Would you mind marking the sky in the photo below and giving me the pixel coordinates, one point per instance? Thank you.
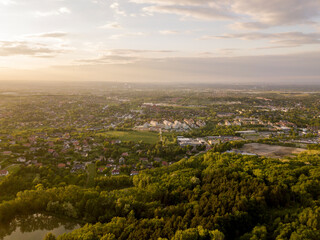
(218, 41)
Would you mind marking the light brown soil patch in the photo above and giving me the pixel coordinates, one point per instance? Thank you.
(272, 151)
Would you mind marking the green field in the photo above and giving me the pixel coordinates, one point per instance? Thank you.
(134, 136)
(12, 169)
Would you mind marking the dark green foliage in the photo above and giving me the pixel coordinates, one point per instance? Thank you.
(314, 146)
(115, 182)
(211, 196)
(50, 236)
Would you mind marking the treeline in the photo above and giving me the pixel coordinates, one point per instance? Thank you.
(114, 182)
(314, 147)
(222, 147)
(27, 178)
(276, 142)
(212, 129)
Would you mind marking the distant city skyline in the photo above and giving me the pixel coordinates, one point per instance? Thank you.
(236, 41)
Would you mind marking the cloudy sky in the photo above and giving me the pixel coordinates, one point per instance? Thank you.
(161, 40)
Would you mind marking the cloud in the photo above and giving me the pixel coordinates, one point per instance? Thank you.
(249, 25)
(7, 2)
(286, 39)
(127, 56)
(300, 68)
(60, 11)
(128, 34)
(198, 12)
(175, 2)
(250, 14)
(276, 12)
(135, 51)
(110, 59)
(64, 10)
(112, 25)
(116, 8)
(14, 48)
(294, 69)
(168, 32)
(49, 35)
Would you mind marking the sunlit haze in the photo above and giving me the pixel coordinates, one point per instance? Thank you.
(214, 41)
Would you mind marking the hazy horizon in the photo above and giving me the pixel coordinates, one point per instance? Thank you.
(185, 41)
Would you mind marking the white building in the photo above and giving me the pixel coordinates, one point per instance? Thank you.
(21, 159)
(4, 173)
(154, 123)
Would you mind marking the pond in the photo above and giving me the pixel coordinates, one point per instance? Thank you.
(35, 227)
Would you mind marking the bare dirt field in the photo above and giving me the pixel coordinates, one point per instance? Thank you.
(272, 151)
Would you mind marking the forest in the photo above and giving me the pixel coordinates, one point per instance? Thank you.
(210, 196)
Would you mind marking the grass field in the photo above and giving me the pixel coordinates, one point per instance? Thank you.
(134, 136)
(12, 169)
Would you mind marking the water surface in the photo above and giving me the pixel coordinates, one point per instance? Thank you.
(35, 227)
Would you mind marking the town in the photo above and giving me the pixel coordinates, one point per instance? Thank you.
(114, 134)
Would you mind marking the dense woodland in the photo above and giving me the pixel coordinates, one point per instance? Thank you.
(210, 196)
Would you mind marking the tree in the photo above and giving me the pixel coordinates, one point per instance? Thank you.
(50, 236)
(108, 236)
(216, 235)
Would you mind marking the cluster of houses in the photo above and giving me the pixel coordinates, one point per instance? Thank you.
(222, 139)
(78, 167)
(183, 141)
(165, 125)
(283, 126)
(206, 141)
(56, 144)
(240, 121)
(115, 172)
(168, 105)
(270, 108)
(115, 168)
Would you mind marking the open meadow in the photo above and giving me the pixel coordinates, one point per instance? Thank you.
(134, 136)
